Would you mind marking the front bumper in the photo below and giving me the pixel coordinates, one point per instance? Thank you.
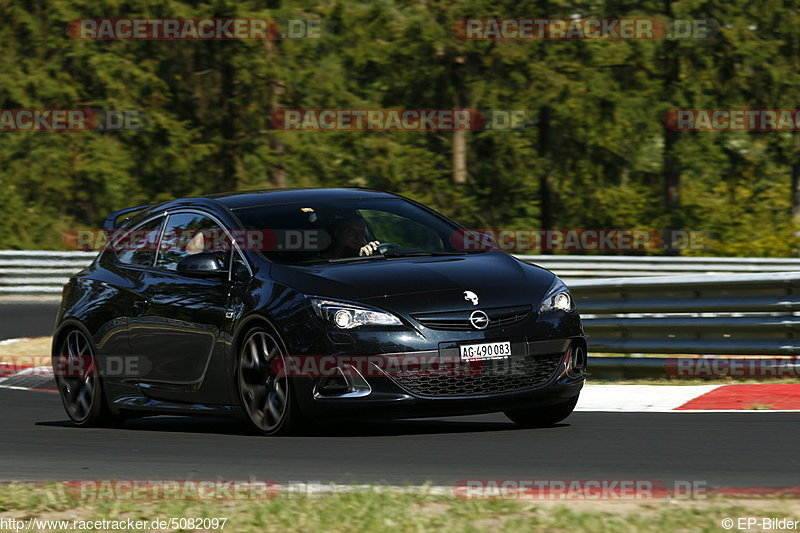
(392, 395)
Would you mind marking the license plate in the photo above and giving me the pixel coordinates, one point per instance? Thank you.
(485, 351)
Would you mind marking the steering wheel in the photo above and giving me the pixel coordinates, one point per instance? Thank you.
(387, 247)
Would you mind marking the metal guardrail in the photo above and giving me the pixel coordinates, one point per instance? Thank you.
(39, 272)
(723, 314)
(745, 314)
(45, 272)
(571, 267)
(688, 367)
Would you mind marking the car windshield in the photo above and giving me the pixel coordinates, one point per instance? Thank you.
(350, 230)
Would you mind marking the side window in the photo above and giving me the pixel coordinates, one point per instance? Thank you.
(137, 246)
(191, 233)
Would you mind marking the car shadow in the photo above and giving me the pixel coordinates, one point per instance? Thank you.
(338, 428)
(388, 428)
(168, 424)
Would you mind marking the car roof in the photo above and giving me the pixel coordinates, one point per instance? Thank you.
(245, 199)
(235, 200)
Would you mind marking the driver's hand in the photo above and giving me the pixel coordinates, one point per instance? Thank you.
(369, 248)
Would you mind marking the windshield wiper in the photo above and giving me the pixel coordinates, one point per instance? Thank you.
(393, 255)
(359, 258)
(422, 254)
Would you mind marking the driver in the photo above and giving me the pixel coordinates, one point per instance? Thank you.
(196, 245)
(350, 239)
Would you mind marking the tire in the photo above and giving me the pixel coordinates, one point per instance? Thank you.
(266, 394)
(544, 416)
(79, 383)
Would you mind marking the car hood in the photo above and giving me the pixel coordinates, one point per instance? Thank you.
(423, 282)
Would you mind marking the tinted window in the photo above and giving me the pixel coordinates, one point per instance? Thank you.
(137, 246)
(336, 229)
(389, 227)
(191, 233)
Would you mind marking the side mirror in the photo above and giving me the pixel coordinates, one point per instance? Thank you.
(205, 264)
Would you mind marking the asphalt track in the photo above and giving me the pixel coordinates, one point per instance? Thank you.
(721, 449)
(725, 449)
(34, 318)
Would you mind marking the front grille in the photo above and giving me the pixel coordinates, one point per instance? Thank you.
(491, 377)
(459, 320)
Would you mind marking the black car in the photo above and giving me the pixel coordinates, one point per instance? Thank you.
(288, 306)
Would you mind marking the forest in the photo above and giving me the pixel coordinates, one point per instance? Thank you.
(596, 147)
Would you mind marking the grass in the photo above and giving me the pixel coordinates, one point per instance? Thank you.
(760, 407)
(38, 347)
(370, 510)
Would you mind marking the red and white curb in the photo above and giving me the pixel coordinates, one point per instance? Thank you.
(13, 341)
(37, 378)
(690, 398)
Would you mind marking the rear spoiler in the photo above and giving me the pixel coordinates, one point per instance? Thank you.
(110, 221)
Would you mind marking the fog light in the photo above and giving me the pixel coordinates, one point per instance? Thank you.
(336, 384)
(578, 358)
(345, 382)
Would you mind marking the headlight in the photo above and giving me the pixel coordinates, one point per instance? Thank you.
(557, 298)
(348, 316)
